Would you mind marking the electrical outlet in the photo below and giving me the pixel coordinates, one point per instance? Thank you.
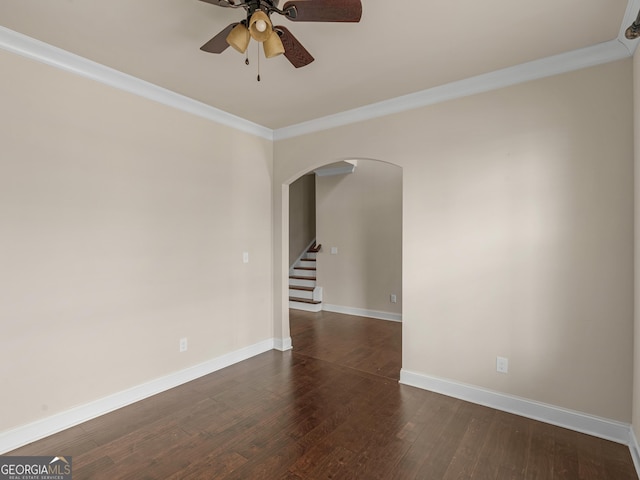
(334, 250)
(394, 298)
(502, 365)
(183, 344)
(245, 257)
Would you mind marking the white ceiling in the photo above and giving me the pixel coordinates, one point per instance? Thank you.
(398, 48)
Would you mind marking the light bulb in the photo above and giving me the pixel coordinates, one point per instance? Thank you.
(261, 25)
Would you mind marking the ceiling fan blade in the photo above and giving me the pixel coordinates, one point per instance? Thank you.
(220, 3)
(323, 10)
(293, 49)
(218, 44)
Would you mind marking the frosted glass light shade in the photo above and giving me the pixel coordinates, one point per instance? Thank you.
(239, 38)
(260, 26)
(273, 45)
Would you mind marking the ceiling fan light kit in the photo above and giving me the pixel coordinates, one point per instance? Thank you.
(239, 38)
(273, 45)
(276, 39)
(260, 26)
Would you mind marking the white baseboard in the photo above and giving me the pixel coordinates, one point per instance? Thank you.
(599, 427)
(635, 450)
(25, 434)
(361, 312)
(305, 307)
(282, 344)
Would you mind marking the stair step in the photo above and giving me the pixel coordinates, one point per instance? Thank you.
(305, 282)
(302, 277)
(302, 281)
(304, 300)
(303, 272)
(301, 294)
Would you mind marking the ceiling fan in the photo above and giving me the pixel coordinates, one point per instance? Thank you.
(277, 39)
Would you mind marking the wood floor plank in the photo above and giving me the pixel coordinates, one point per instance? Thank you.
(516, 456)
(542, 445)
(290, 476)
(467, 455)
(378, 349)
(494, 450)
(331, 408)
(314, 457)
(74, 440)
(269, 463)
(617, 462)
(378, 458)
(565, 457)
(218, 467)
(93, 468)
(334, 464)
(442, 453)
(424, 450)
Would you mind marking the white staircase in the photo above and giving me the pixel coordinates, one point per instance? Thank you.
(304, 293)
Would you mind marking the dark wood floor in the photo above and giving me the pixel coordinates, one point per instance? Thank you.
(332, 408)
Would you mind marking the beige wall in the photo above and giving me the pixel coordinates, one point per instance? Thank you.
(361, 215)
(122, 228)
(123, 222)
(302, 215)
(636, 336)
(517, 234)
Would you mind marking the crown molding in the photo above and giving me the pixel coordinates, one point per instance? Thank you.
(56, 57)
(545, 67)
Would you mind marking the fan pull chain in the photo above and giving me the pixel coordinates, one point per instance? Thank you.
(258, 62)
(246, 58)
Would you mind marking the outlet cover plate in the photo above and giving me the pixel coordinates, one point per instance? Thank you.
(502, 365)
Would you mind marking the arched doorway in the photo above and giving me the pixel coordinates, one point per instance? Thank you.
(359, 224)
